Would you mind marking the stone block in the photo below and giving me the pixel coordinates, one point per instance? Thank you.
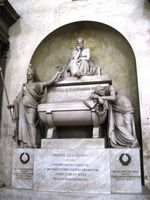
(22, 171)
(72, 143)
(125, 171)
(74, 88)
(72, 170)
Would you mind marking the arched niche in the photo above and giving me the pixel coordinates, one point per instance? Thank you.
(110, 50)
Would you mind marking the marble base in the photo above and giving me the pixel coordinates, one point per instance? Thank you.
(21, 194)
(77, 165)
(22, 171)
(125, 171)
(72, 170)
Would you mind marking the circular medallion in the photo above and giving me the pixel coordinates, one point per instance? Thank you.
(24, 158)
(125, 159)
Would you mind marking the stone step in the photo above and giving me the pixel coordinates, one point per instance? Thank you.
(22, 194)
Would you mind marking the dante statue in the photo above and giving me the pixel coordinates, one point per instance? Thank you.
(25, 109)
(80, 63)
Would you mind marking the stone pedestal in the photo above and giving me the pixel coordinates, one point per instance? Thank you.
(77, 165)
(22, 194)
(22, 171)
(72, 170)
(72, 143)
(125, 171)
(72, 165)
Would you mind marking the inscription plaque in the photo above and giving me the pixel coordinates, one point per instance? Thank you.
(74, 88)
(64, 93)
(125, 171)
(22, 172)
(72, 170)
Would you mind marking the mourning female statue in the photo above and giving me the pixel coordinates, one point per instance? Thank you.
(80, 63)
(100, 98)
(121, 130)
(121, 125)
(25, 109)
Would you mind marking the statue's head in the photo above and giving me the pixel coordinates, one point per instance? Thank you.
(30, 73)
(100, 90)
(80, 42)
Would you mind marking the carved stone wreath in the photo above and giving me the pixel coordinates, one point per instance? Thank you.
(24, 158)
(125, 159)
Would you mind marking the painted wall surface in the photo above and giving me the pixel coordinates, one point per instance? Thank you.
(39, 18)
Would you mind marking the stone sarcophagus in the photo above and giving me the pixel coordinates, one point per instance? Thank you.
(74, 113)
(68, 104)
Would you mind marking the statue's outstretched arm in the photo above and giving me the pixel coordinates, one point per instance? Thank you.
(55, 77)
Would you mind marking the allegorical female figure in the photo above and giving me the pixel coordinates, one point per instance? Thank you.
(121, 130)
(25, 110)
(80, 63)
(121, 125)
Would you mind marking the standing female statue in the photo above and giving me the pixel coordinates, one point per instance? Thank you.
(25, 109)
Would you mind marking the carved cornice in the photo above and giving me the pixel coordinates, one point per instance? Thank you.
(7, 13)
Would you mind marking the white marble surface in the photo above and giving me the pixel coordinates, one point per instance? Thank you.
(22, 173)
(20, 194)
(73, 88)
(72, 170)
(125, 171)
(38, 19)
(72, 143)
(65, 93)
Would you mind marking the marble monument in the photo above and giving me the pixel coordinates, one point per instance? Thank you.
(79, 99)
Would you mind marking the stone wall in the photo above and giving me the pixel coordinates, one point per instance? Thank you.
(39, 18)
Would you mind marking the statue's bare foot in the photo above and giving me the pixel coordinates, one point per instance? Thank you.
(34, 146)
(79, 74)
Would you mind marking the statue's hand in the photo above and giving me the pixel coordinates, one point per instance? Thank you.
(78, 48)
(94, 96)
(101, 101)
(61, 70)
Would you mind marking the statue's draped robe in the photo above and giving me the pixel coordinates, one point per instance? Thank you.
(25, 111)
(121, 129)
(84, 66)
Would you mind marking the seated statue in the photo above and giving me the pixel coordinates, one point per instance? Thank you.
(80, 63)
(25, 110)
